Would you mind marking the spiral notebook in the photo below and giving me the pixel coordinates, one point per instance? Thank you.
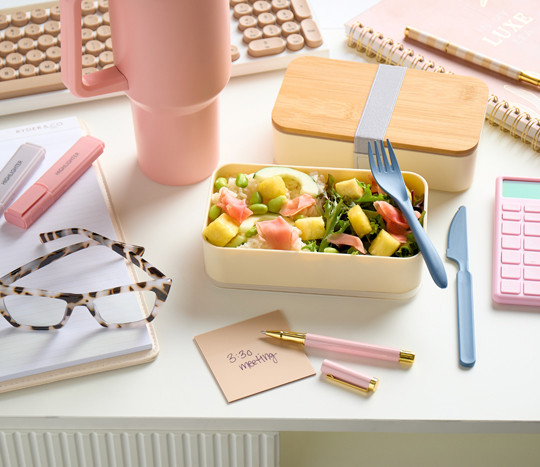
(506, 31)
(82, 346)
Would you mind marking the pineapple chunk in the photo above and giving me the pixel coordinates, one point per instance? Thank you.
(311, 228)
(359, 221)
(221, 231)
(349, 189)
(271, 188)
(384, 244)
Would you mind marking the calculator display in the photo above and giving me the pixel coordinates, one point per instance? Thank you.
(520, 189)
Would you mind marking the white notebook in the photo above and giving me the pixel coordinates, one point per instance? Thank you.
(82, 346)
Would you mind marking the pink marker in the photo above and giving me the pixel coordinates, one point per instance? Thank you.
(343, 375)
(53, 183)
(343, 346)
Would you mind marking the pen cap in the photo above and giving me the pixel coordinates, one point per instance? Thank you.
(18, 170)
(29, 206)
(348, 376)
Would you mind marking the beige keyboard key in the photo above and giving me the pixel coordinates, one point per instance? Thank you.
(103, 33)
(89, 61)
(235, 53)
(4, 22)
(6, 48)
(289, 28)
(33, 31)
(87, 71)
(35, 57)
(279, 5)
(295, 42)
(266, 19)
(91, 22)
(271, 31)
(106, 59)
(108, 44)
(283, 16)
(311, 33)
(242, 9)
(86, 35)
(13, 34)
(45, 41)
(261, 6)
(27, 70)
(88, 7)
(55, 12)
(7, 74)
(106, 18)
(94, 47)
(265, 47)
(25, 45)
(53, 54)
(251, 34)
(247, 22)
(15, 60)
(47, 67)
(103, 6)
(19, 18)
(52, 27)
(39, 15)
(300, 9)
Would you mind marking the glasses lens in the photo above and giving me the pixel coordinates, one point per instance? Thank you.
(124, 308)
(35, 311)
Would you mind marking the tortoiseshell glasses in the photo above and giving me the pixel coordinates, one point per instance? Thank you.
(123, 306)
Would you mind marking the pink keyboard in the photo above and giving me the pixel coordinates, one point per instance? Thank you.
(516, 244)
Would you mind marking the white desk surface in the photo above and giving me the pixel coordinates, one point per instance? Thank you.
(178, 391)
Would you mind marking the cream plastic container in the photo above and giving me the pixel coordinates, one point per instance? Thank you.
(313, 272)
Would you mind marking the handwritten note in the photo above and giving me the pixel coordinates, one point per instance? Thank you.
(245, 362)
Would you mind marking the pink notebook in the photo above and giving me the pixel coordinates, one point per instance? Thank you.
(504, 30)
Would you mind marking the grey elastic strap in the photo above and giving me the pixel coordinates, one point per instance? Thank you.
(379, 107)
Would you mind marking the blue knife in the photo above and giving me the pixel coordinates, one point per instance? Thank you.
(458, 251)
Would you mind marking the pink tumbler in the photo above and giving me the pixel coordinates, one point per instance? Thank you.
(172, 59)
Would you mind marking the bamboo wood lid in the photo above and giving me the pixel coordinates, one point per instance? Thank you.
(434, 112)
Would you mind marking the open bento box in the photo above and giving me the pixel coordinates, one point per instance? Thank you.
(308, 271)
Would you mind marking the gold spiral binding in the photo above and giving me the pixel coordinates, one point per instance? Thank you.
(379, 56)
(350, 37)
(393, 50)
(428, 66)
(417, 59)
(515, 124)
(528, 126)
(534, 142)
(369, 46)
(360, 41)
(495, 109)
(440, 69)
(406, 53)
(507, 113)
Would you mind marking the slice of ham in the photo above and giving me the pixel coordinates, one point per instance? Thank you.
(233, 206)
(396, 225)
(346, 239)
(277, 233)
(294, 206)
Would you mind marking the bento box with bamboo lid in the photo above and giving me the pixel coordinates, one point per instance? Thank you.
(328, 109)
(305, 244)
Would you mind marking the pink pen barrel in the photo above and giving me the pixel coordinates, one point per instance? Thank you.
(359, 349)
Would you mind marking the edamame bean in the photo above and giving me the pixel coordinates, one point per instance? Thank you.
(258, 208)
(214, 212)
(256, 198)
(242, 181)
(251, 232)
(329, 249)
(220, 183)
(275, 204)
(236, 241)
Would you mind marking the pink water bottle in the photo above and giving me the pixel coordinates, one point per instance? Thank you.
(172, 59)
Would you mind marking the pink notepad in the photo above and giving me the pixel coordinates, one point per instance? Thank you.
(245, 362)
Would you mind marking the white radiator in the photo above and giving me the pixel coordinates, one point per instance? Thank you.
(44, 448)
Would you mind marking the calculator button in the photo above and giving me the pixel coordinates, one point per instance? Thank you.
(532, 217)
(531, 243)
(511, 216)
(511, 287)
(511, 207)
(531, 288)
(511, 228)
(531, 259)
(532, 230)
(511, 272)
(532, 208)
(512, 243)
(510, 257)
(531, 273)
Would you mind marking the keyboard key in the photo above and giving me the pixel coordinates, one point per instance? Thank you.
(532, 207)
(511, 287)
(511, 243)
(532, 230)
(531, 288)
(531, 259)
(263, 47)
(507, 206)
(531, 273)
(300, 9)
(510, 272)
(511, 228)
(531, 244)
(511, 257)
(295, 42)
(511, 216)
(531, 217)
(39, 15)
(311, 33)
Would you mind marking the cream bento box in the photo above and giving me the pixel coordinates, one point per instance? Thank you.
(308, 271)
(327, 108)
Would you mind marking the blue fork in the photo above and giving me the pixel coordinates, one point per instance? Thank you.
(388, 176)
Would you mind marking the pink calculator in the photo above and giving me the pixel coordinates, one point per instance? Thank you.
(516, 242)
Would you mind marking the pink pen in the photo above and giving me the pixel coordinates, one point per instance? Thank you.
(53, 183)
(331, 344)
(343, 375)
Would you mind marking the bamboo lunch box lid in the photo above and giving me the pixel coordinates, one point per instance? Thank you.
(434, 112)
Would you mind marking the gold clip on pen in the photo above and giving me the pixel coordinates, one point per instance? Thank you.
(350, 378)
(343, 346)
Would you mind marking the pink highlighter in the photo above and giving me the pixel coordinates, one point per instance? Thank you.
(53, 183)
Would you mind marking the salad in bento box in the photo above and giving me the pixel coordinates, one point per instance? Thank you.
(283, 208)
